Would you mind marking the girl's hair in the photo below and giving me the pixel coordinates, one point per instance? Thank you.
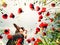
(22, 28)
(18, 28)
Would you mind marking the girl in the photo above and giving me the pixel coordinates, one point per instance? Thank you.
(18, 38)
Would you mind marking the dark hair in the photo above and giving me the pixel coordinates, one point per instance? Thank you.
(19, 29)
(22, 28)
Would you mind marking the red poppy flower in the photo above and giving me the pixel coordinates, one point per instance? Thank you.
(43, 9)
(37, 29)
(9, 36)
(53, 4)
(12, 15)
(44, 33)
(28, 40)
(43, 25)
(53, 28)
(20, 10)
(40, 17)
(35, 43)
(18, 44)
(19, 40)
(51, 19)
(39, 13)
(48, 14)
(1, 37)
(36, 32)
(4, 16)
(31, 6)
(39, 20)
(37, 8)
(6, 31)
(38, 40)
(33, 39)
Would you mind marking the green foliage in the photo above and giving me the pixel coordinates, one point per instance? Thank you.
(51, 38)
(1, 31)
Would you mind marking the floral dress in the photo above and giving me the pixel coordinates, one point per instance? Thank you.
(16, 40)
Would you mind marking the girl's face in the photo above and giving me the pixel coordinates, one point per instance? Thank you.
(21, 31)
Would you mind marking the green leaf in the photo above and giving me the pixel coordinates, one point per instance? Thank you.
(58, 14)
(1, 31)
(58, 25)
(52, 43)
(40, 43)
